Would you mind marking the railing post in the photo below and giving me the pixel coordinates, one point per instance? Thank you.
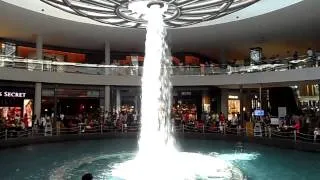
(203, 129)
(224, 130)
(269, 129)
(315, 138)
(6, 134)
(79, 128)
(182, 128)
(266, 133)
(295, 135)
(101, 128)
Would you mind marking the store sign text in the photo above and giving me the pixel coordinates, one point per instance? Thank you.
(12, 94)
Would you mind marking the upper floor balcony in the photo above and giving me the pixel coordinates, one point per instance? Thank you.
(18, 69)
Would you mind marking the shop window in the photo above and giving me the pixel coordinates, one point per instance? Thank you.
(8, 49)
(51, 55)
(233, 107)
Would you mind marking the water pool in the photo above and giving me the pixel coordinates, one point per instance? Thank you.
(70, 160)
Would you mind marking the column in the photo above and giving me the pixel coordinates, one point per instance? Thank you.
(319, 93)
(39, 54)
(106, 98)
(241, 105)
(55, 107)
(260, 95)
(224, 102)
(107, 60)
(118, 100)
(37, 99)
(223, 59)
(39, 47)
(136, 103)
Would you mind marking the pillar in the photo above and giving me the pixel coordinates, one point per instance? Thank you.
(55, 107)
(260, 95)
(224, 102)
(241, 104)
(39, 47)
(319, 93)
(107, 53)
(106, 98)
(107, 60)
(222, 55)
(136, 103)
(118, 100)
(37, 99)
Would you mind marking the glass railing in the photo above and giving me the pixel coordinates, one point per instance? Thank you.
(113, 70)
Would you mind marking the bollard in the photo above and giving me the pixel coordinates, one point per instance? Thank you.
(79, 128)
(224, 130)
(6, 134)
(122, 127)
(182, 128)
(203, 129)
(101, 129)
(295, 135)
(315, 138)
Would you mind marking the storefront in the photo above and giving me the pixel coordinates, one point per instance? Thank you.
(16, 105)
(196, 100)
(126, 99)
(7, 49)
(72, 100)
(184, 99)
(233, 105)
(52, 55)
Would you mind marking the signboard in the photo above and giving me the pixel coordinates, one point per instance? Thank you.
(282, 112)
(255, 55)
(259, 112)
(274, 121)
(12, 94)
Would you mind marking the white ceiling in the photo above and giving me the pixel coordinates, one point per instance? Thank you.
(296, 24)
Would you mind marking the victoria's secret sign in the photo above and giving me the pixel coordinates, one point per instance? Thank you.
(12, 94)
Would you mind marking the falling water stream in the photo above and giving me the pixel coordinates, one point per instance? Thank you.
(157, 157)
(156, 131)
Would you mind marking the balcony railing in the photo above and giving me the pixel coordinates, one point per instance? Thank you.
(113, 70)
(267, 132)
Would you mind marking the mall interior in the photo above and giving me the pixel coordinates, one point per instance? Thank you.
(159, 89)
(52, 65)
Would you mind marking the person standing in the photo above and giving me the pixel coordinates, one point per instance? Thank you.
(58, 123)
(222, 121)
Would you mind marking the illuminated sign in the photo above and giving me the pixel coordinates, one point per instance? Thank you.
(12, 94)
(233, 97)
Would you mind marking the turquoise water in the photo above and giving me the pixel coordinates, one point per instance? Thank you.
(70, 160)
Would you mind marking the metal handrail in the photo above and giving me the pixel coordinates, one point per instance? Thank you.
(102, 128)
(101, 69)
